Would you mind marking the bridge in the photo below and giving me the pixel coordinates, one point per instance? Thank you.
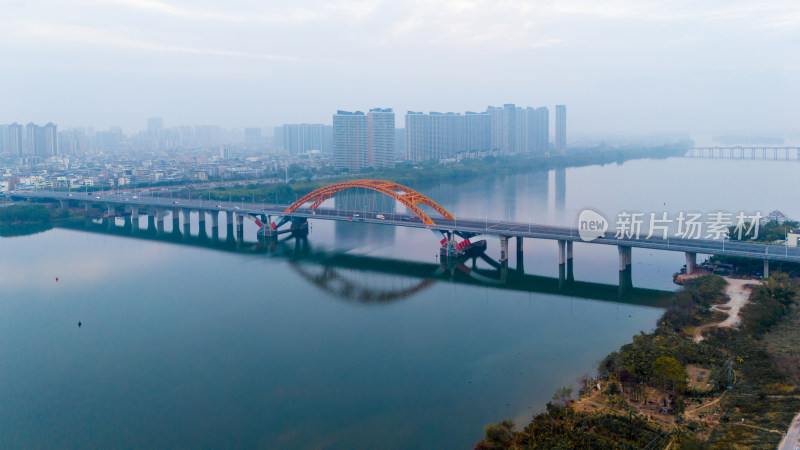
(332, 272)
(740, 152)
(457, 237)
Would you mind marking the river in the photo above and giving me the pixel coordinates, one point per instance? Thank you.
(213, 346)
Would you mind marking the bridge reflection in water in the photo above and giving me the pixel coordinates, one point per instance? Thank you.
(325, 269)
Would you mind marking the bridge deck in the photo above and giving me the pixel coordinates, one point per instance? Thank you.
(469, 225)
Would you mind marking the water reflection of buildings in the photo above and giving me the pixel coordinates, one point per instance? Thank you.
(560, 193)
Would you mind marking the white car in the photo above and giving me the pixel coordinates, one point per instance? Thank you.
(380, 216)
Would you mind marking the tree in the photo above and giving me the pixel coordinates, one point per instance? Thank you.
(612, 389)
(562, 395)
(679, 406)
(669, 372)
(781, 288)
(498, 436)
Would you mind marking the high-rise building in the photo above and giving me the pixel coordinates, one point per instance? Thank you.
(440, 136)
(303, 137)
(478, 132)
(496, 115)
(540, 130)
(561, 129)
(350, 140)
(13, 139)
(361, 141)
(418, 136)
(509, 138)
(380, 137)
(400, 143)
(31, 139)
(49, 140)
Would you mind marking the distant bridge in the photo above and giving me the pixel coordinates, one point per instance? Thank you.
(456, 235)
(752, 152)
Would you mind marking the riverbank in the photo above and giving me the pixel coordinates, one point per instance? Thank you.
(426, 174)
(737, 387)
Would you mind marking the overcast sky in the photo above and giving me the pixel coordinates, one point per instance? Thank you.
(620, 66)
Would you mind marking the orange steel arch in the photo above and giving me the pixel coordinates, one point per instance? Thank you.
(408, 197)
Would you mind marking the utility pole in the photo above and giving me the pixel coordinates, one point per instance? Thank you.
(730, 375)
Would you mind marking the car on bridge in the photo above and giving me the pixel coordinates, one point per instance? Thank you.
(380, 216)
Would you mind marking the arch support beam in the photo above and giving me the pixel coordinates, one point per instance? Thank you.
(408, 197)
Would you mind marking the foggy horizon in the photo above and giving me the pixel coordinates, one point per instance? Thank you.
(725, 68)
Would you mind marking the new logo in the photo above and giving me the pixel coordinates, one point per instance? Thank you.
(591, 225)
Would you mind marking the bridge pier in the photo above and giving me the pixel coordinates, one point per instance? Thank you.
(520, 258)
(176, 221)
(112, 211)
(691, 262)
(160, 213)
(503, 248)
(624, 257)
(570, 275)
(134, 218)
(239, 227)
(625, 272)
(63, 204)
(201, 220)
(766, 268)
(229, 226)
(187, 222)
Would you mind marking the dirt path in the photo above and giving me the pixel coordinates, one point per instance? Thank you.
(738, 292)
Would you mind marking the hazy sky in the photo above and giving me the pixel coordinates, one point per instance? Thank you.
(619, 66)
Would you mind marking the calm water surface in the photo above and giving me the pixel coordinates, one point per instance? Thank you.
(183, 345)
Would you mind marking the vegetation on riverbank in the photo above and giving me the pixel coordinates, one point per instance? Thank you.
(19, 220)
(421, 175)
(738, 388)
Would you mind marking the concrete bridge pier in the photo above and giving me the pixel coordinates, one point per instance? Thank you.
(151, 223)
(112, 211)
(187, 222)
(624, 257)
(299, 227)
(229, 226)
(503, 249)
(239, 227)
(625, 272)
(63, 204)
(201, 220)
(214, 220)
(160, 213)
(562, 266)
(570, 275)
(766, 268)
(691, 261)
(176, 221)
(520, 258)
(127, 223)
(134, 218)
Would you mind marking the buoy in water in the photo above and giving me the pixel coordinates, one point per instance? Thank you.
(56, 278)
(79, 324)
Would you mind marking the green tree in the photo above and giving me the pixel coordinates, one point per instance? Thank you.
(669, 372)
(780, 287)
(498, 435)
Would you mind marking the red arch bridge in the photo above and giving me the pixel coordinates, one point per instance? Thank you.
(457, 237)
